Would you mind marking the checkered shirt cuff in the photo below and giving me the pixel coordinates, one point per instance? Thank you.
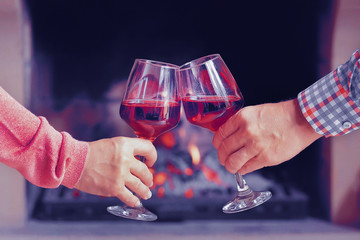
(331, 105)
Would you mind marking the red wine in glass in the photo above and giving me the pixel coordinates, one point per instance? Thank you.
(210, 96)
(151, 106)
(150, 118)
(211, 111)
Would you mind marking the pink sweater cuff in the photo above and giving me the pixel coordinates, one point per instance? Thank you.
(75, 164)
(29, 144)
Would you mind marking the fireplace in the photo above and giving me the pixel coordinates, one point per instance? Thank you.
(189, 182)
(78, 74)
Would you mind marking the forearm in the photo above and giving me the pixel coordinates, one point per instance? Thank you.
(44, 156)
(331, 105)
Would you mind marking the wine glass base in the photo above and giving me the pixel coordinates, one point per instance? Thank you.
(134, 213)
(243, 202)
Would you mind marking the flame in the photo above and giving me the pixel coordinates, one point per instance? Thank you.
(195, 153)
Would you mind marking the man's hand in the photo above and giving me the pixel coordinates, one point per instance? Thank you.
(263, 135)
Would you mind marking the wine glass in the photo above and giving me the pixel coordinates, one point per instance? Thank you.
(151, 106)
(210, 96)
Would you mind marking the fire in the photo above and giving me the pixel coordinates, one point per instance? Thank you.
(195, 153)
(211, 175)
(189, 193)
(171, 168)
(181, 168)
(188, 171)
(160, 178)
(167, 140)
(161, 192)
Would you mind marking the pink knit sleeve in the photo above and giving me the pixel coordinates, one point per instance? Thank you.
(29, 144)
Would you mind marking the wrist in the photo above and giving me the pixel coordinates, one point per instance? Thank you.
(303, 127)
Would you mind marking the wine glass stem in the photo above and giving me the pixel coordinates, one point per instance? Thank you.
(240, 182)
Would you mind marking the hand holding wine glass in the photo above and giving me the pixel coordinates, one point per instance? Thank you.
(263, 135)
(210, 96)
(151, 106)
(110, 169)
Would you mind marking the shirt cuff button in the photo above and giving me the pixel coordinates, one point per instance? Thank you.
(346, 125)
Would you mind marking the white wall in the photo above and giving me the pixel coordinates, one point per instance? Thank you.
(12, 184)
(345, 150)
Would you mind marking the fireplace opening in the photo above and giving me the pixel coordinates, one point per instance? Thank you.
(189, 182)
(83, 53)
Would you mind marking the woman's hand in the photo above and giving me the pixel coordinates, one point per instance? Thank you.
(263, 135)
(111, 169)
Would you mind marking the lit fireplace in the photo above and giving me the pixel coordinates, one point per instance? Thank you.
(70, 66)
(189, 182)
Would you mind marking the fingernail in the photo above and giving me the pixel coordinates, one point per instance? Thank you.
(138, 203)
(149, 195)
(152, 183)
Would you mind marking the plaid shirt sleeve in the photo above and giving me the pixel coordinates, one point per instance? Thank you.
(332, 104)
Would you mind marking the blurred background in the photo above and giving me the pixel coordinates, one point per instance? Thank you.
(78, 55)
(271, 48)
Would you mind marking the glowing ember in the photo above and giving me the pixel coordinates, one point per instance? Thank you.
(189, 193)
(161, 192)
(173, 169)
(195, 153)
(188, 171)
(211, 175)
(167, 140)
(160, 178)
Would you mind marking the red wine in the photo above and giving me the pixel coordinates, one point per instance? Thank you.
(211, 111)
(150, 118)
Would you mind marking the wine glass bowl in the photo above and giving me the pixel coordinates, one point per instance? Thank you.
(210, 96)
(150, 118)
(209, 92)
(151, 106)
